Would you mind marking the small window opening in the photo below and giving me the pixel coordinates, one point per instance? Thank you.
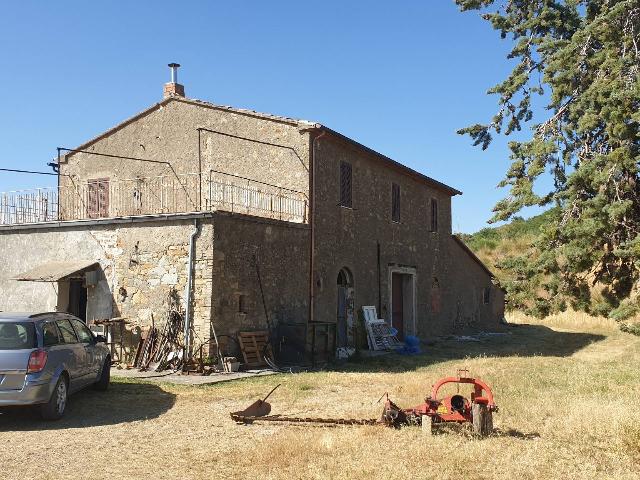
(395, 202)
(486, 295)
(434, 215)
(346, 199)
(242, 304)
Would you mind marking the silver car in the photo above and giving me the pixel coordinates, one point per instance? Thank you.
(44, 357)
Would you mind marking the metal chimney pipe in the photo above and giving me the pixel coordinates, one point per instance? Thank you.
(174, 72)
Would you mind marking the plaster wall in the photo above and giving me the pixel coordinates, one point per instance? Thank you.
(141, 262)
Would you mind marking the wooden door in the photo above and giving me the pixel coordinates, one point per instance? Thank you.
(397, 304)
(98, 198)
(342, 317)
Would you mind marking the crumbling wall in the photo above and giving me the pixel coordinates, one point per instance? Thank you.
(141, 262)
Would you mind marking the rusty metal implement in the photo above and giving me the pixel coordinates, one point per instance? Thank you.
(476, 410)
(260, 409)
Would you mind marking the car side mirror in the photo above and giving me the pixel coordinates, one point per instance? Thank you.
(100, 339)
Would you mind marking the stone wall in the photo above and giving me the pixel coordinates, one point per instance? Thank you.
(281, 253)
(140, 263)
(267, 150)
(472, 311)
(352, 237)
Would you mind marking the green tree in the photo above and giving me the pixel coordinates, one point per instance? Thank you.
(583, 58)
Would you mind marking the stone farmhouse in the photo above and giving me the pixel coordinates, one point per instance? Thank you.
(253, 220)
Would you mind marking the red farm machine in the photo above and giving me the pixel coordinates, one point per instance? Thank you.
(477, 409)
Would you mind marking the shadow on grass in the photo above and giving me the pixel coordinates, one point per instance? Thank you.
(520, 340)
(513, 433)
(122, 403)
(465, 430)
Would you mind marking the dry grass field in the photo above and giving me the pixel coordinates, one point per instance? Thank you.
(568, 392)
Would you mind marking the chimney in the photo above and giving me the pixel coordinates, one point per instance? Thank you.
(173, 88)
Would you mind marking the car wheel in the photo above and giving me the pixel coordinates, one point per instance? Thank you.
(105, 376)
(55, 407)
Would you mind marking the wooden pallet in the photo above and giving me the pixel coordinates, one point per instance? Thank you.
(255, 346)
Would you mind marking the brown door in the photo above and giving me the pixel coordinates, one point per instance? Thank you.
(98, 198)
(342, 317)
(397, 303)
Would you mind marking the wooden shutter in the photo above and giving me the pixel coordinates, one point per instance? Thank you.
(345, 185)
(434, 215)
(98, 198)
(395, 202)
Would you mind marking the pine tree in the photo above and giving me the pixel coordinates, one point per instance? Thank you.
(583, 58)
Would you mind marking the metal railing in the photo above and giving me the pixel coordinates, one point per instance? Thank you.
(243, 195)
(105, 198)
(129, 197)
(29, 206)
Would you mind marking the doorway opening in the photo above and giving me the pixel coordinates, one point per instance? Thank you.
(402, 295)
(344, 315)
(78, 298)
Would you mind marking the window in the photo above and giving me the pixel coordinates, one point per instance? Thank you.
(395, 202)
(50, 334)
(68, 335)
(434, 215)
(345, 185)
(98, 198)
(17, 335)
(435, 296)
(242, 304)
(486, 295)
(84, 335)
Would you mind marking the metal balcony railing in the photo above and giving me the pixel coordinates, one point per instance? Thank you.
(104, 198)
(243, 195)
(29, 206)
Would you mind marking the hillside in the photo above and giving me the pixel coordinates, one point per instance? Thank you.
(493, 245)
(503, 248)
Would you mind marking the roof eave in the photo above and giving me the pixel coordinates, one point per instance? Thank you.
(473, 256)
(414, 173)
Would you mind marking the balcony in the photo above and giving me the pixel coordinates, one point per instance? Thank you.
(187, 193)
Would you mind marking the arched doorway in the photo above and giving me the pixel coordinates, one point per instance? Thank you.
(344, 315)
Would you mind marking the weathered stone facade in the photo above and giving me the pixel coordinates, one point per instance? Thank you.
(352, 238)
(259, 147)
(248, 269)
(142, 261)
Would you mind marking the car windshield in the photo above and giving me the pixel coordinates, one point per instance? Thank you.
(17, 335)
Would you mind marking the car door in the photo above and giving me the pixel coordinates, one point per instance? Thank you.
(93, 357)
(57, 352)
(74, 354)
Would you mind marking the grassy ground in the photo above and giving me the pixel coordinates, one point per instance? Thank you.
(567, 390)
